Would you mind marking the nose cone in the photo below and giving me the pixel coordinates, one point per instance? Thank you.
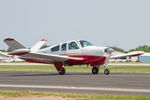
(109, 50)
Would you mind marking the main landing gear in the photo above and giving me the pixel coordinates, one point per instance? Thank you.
(60, 68)
(95, 70)
(62, 71)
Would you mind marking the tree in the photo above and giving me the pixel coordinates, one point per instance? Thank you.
(3, 50)
(144, 48)
(9, 50)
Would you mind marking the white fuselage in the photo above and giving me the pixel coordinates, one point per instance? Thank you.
(89, 50)
(93, 54)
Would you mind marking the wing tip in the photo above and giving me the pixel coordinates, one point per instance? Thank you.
(8, 39)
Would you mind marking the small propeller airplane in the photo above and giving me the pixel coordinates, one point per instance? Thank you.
(75, 52)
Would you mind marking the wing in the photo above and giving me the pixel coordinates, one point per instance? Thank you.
(49, 58)
(135, 53)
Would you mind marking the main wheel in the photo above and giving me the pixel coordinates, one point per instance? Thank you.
(106, 71)
(95, 70)
(62, 71)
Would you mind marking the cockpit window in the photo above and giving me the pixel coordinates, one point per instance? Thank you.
(85, 43)
(73, 45)
(63, 47)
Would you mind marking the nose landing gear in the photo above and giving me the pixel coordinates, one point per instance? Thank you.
(106, 71)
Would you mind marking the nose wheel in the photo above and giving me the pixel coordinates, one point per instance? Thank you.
(106, 72)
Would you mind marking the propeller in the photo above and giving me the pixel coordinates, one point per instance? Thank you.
(109, 50)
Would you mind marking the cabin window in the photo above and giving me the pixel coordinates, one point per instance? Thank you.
(56, 48)
(85, 43)
(73, 45)
(63, 47)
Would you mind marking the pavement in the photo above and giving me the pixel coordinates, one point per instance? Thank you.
(77, 82)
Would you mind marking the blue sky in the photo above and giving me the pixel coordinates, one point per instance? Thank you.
(121, 23)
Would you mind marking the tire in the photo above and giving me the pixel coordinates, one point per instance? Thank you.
(95, 70)
(62, 71)
(106, 72)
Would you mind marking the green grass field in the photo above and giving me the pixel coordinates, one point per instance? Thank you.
(6, 94)
(130, 69)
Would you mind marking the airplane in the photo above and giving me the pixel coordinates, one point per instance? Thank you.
(75, 52)
(4, 56)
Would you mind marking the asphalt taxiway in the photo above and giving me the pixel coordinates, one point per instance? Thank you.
(77, 82)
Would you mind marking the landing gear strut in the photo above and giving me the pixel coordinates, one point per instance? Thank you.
(62, 71)
(95, 70)
(106, 71)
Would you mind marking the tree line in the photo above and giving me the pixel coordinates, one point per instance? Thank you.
(144, 48)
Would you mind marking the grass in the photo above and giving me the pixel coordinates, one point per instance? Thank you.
(75, 96)
(132, 69)
(130, 63)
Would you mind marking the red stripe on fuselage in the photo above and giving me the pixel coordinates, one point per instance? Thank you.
(88, 59)
(35, 61)
(18, 53)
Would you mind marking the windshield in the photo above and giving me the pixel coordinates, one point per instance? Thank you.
(85, 43)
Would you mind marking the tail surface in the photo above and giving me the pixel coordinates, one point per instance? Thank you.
(13, 44)
(38, 45)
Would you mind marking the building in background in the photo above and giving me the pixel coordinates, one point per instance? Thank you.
(144, 58)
